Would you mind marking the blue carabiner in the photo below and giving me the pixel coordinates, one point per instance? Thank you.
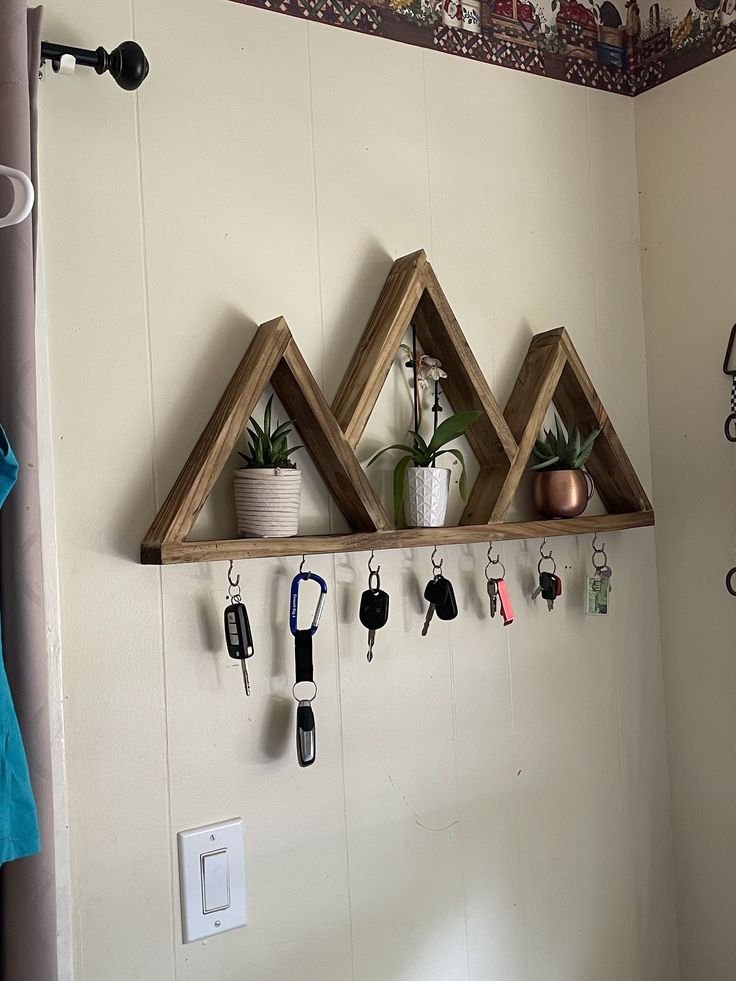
(299, 578)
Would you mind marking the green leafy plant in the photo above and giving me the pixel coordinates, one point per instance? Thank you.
(423, 454)
(267, 449)
(558, 451)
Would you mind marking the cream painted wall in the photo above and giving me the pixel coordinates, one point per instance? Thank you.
(486, 804)
(686, 139)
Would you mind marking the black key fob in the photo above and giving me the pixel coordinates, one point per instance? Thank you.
(306, 735)
(237, 632)
(447, 609)
(374, 609)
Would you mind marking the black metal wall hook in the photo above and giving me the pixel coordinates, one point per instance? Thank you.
(127, 63)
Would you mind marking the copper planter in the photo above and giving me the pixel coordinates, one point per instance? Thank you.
(562, 493)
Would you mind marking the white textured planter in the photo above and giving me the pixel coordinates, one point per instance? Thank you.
(267, 502)
(425, 496)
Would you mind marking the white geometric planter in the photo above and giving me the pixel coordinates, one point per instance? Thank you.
(425, 496)
(267, 502)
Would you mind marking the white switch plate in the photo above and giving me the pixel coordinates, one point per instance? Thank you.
(212, 876)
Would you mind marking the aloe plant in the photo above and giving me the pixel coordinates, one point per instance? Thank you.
(558, 451)
(423, 454)
(267, 449)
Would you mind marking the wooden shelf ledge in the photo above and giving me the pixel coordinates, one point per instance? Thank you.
(171, 553)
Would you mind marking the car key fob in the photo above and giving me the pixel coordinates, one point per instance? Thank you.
(447, 609)
(238, 637)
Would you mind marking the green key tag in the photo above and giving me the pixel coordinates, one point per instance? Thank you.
(596, 595)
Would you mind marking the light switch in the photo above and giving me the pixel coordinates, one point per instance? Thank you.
(215, 881)
(212, 880)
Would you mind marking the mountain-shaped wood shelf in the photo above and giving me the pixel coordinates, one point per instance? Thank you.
(552, 372)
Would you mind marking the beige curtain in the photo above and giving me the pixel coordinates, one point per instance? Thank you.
(27, 888)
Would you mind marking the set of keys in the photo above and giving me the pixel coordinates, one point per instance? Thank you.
(598, 586)
(373, 607)
(498, 593)
(550, 587)
(440, 595)
(238, 636)
(550, 584)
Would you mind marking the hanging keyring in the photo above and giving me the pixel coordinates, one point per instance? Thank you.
(729, 426)
(599, 550)
(730, 576)
(549, 558)
(496, 561)
(436, 566)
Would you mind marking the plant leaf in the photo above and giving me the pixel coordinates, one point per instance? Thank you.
(588, 444)
(399, 481)
(545, 463)
(267, 417)
(551, 440)
(394, 446)
(283, 429)
(561, 437)
(463, 482)
(450, 429)
(573, 443)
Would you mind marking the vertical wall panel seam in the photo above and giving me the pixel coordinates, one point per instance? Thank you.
(155, 488)
(617, 698)
(330, 506)
(518, 808)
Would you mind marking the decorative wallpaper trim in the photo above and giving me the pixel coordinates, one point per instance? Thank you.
(586, 45)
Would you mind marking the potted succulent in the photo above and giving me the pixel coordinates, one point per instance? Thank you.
(560, 483)
(420, 488)
(267, 488)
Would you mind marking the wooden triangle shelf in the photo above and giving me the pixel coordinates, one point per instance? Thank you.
(552, 372)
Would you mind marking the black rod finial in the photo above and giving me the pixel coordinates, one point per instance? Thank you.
(127, 64)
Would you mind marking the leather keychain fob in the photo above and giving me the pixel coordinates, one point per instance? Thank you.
(306, 735)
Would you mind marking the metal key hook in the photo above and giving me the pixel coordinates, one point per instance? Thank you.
(436, 566)
(599, 550)
(302, 563)
(548, 557)
(233, 589)
(496, 561)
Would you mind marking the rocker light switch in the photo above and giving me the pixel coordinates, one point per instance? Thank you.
(212, 880)
(215, 881)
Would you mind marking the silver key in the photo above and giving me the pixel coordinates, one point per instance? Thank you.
(246, 681)
(550, 605)
(371, 641)
(536, 592)
(428, 619)
(606, 573)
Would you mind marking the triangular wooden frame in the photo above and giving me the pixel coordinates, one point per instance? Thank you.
(552, 372)
(272, 356)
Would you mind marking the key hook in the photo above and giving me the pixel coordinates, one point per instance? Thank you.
(541, 549)
(236, 580)
(599, 550)
(302, 564)
(496, 561)
(371, 570)
(436, 566)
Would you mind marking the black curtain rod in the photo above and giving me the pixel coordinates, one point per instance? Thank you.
(127, 63)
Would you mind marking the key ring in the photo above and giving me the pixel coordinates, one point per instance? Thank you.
(436, 566)
(297, 698)
(730, 575)
(496, 561)
(233, 590)
(599, 550)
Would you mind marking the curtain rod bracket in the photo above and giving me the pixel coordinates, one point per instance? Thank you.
(127, 63)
